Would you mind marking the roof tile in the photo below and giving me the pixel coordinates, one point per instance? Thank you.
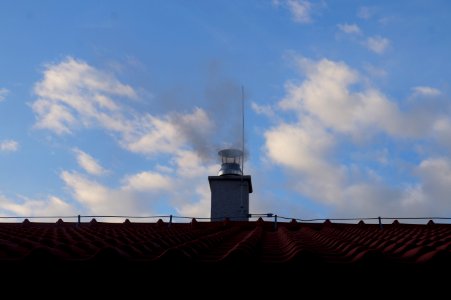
(294, 243)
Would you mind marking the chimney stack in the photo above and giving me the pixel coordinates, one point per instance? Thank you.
(230, 189)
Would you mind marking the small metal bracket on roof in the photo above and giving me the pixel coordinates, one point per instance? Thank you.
(79, 221)
(380, 222)
(275, 222)
(170, 221)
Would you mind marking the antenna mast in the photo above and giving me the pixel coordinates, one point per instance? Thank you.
(242, 148)
(242, 121)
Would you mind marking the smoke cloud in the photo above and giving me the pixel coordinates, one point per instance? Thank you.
(221, 100)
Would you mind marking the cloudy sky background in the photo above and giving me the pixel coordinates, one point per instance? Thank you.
(119, 107)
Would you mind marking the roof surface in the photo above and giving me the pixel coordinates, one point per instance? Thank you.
(305, 244)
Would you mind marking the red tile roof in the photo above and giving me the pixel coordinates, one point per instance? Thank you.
(291, 244)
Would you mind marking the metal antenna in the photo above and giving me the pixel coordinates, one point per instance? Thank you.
(242, 148)
(242, 121)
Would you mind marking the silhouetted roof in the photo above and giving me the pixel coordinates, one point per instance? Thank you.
(307, 245)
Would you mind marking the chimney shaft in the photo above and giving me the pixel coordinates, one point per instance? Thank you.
(230, 189)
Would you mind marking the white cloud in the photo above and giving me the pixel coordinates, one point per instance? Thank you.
(3, 93)
(146, 181)
(426, 91)
(192, 195)
(436, 172)
(52, 206)
(99, 199)
(180, 185)
(327, 95)
(265, 110)
(169, 133)
(74, 95)
(301, 10)
(349, 28)
(88, 163)
(144, 192)
(370, 199)
(365, 12)
(159, 135)
(189, 165)
(377, 44)
(307, 144)
(303, 148)
(200, 208)
(9, 146)
(333, 107)
(441, 130)
(431, 195)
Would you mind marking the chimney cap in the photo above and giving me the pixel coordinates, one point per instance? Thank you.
(231, 162)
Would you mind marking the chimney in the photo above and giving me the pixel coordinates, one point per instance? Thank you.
(230, 189)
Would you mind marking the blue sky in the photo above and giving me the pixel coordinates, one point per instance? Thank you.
(119, 107)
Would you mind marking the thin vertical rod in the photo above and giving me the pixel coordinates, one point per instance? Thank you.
(242, 122)
(242, 147)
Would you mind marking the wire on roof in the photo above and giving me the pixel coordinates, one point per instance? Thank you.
(256, 215)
